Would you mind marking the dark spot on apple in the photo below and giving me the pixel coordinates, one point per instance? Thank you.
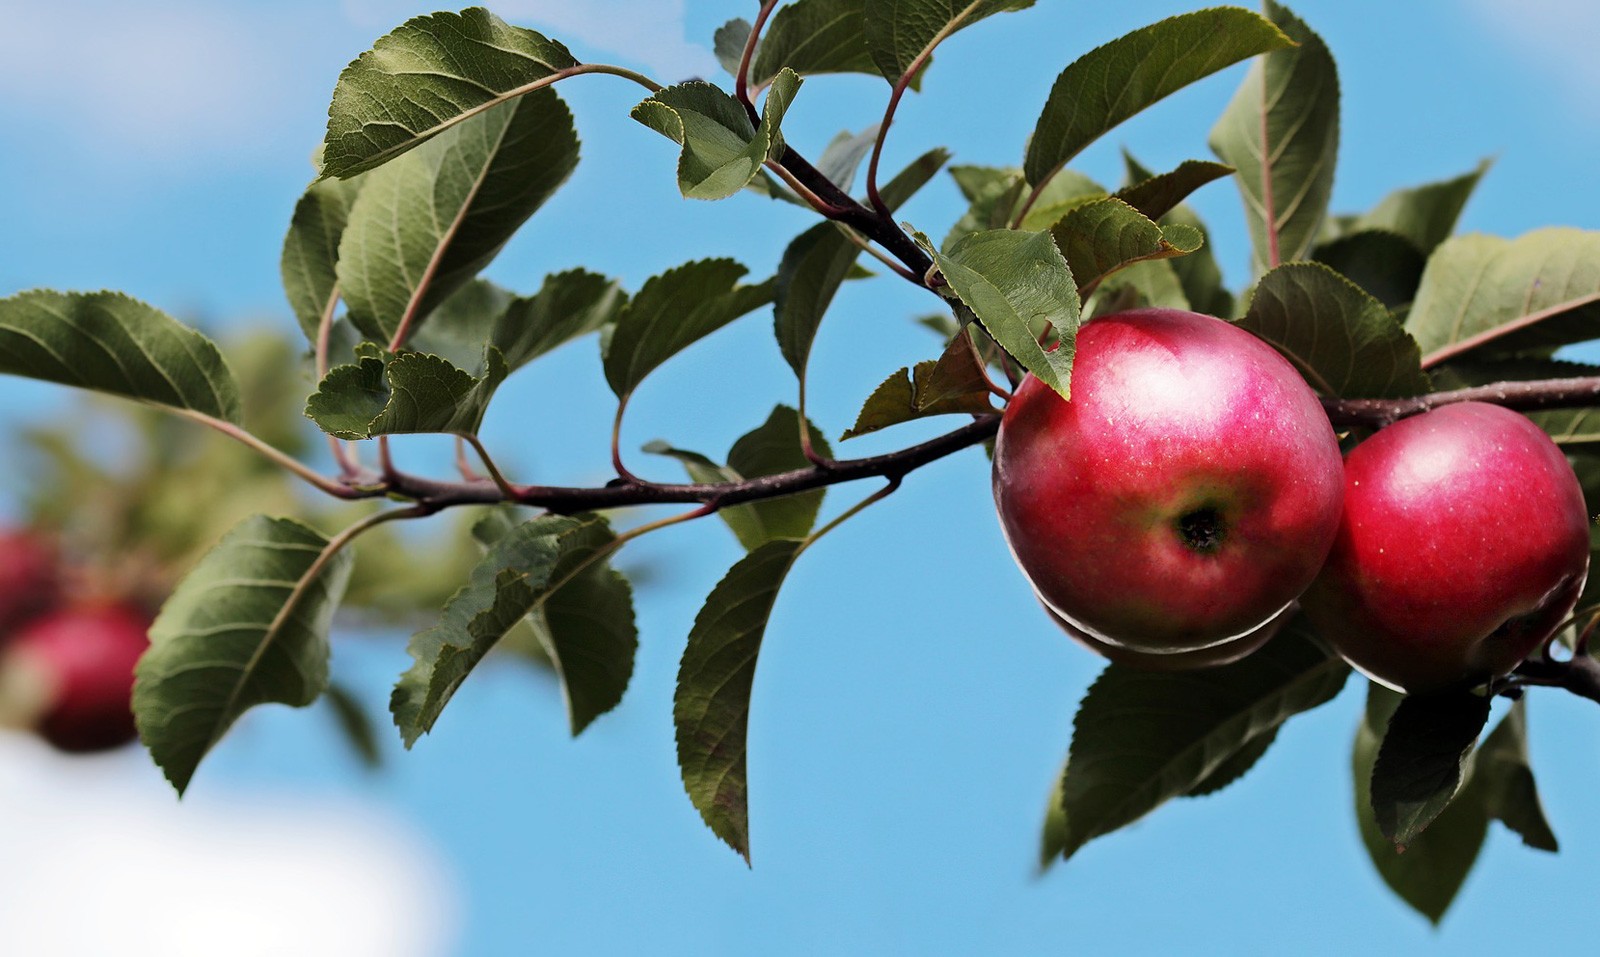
(1202, 529)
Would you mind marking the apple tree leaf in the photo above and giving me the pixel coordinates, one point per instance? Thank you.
(1142, 737)
(1387, 265)
(1344, 341)
(1012, 279)
(817, 262)
(1422, 761)
(523, 570)
(1113, 82)
(769, 449)
(728, 44)
(1103, 236)
(1426, 215)
(995, 195)
(672, 311)
(711, 708)
(1156, 196)
(814, 36)
(1486, 296)
(899, 32)
(311, 250)
(722, 150)
(1234, 767)
(1281, 132)
(1435, 865)
(409, 392)
(424, 225)
(247, 626)
(953, 384)
(567, 306)
(108, 342)
(354, 723)
(1501, 766)
(428, 75)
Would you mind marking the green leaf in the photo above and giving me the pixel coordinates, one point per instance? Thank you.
(1421, 763)
(1490, 296)
(109, 342)
(1433, 868)
(1141, 737)
(953, 384)
(899, 32)
(843, 155)
(247, 626)
(711, 709)
(995, 196)
(354, 724)
(672, 311)
(311, 250)
(722, 150)
(1388, 266)
(1153, 282)
(728, 44)
(567, 306)
(769, 449)
(430, 74)
(585, 625)
(515, 578)
(1281, 131)
(425, 224)
(1156, 196)
(1198, 275)
(817, 262)
(814, 36)
(1011, 279)
(1234, 767)
(1501, 765)
(410, 392)
(1425, 215)
(1113, 82)
(1343, 340)
(1103, 236)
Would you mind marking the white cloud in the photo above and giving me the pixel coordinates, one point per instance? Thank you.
(99, 861)
(161, 80)
(646, 32)
(1556, 36)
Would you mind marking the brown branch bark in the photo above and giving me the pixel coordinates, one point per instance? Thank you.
(1528, 396)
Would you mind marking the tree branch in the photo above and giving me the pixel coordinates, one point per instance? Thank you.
(1581, 675)
(1528, 396)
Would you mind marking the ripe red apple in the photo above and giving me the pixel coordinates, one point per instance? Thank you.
(1186, 494)
(79, 663)
(1464, 544)
(1224, 654)
(30, 579)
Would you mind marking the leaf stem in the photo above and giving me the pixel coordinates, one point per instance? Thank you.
(741, 83)
(495, 475)
(277, 456)
(894, 104)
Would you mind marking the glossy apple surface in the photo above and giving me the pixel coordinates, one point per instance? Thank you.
(1464, 544)
(81, 660)
(1186, 494)
(1224, 654)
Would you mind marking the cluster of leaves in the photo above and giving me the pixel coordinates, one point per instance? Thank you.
(447, 136)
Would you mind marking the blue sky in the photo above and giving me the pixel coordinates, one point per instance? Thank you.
(912, 704)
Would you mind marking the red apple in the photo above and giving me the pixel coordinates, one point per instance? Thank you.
(1186, 494)
(1224, 654)
(30, 579)
(1464, 544)
(79, 662)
